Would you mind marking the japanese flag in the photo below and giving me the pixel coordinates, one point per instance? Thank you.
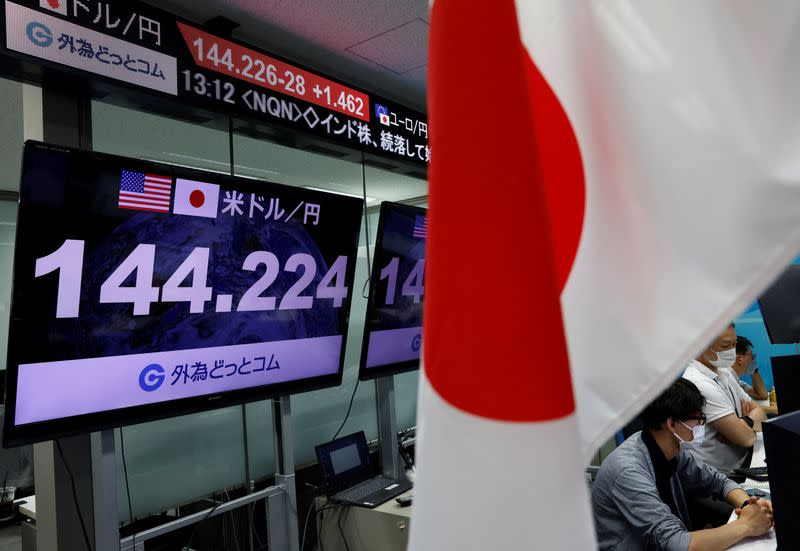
(58, 6)
(650, 181)
(196, 198)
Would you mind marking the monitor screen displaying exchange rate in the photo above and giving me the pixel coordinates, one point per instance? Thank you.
(143, 291)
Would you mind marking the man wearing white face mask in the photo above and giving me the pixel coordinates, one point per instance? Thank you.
(639, 496)
(732, 417)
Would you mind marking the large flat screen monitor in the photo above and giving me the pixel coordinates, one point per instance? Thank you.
(782, 446)
(143, 291)
(393, 327)
(786, 373)
(780, 307)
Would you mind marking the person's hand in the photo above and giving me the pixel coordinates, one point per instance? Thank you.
(747, 407)
(758, 520)
(766, 504)
(751, 501)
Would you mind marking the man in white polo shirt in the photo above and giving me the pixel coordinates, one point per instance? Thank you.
(732, 418)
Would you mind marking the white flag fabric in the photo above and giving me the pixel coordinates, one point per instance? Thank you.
(496, 458)
(689, 134)
(196, 198)
(665, 155)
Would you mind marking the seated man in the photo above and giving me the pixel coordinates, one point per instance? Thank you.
(638, 496)
(733, 418)
(745, 364)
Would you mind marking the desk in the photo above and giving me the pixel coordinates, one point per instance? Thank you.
(384, 527)
(767, 542)
(27, 508)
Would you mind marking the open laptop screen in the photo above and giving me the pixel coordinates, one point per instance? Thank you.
(344, 459)
(344, 462)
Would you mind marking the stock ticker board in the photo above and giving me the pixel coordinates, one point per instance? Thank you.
(143, 47)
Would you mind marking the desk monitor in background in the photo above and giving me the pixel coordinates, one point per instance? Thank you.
(780, 307)
(782, 446)
(786, 373)
(393, 327)
(144, 291)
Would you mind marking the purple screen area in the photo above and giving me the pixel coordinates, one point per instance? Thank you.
(345, 459)
(99, 384)
(394, 346)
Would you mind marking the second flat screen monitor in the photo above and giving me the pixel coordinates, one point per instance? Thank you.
(393, 328)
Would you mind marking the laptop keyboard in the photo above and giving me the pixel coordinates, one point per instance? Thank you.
(755, 473)
(358, 493)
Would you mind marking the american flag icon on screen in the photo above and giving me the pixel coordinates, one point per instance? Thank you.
(421, 227)
(139, 191)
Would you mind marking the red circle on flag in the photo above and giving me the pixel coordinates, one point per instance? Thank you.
(196, 198)
(486, 361)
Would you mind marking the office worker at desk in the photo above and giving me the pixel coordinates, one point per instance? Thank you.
(639, 494)
(746, 365)
(732, 415)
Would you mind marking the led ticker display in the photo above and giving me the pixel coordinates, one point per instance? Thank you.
(143, 291)
(231, 59)
(393, 328)
(141, 46)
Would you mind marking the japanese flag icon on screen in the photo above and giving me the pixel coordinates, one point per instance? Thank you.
(383, 113)
(196, 198)
(58, 6)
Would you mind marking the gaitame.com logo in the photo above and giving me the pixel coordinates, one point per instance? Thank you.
(151, 377)
(40, 34)
(416, 342)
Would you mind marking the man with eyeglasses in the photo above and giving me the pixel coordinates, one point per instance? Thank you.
(639, 496)
(746, 365)
(733, 418)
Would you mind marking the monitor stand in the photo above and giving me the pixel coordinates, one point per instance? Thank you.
(387, 427)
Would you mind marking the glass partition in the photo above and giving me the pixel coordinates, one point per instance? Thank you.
(11, 135)
(390, 186)
(174, 461)
(179, 460)
(11, 140)
(317, 415)
(8, 226)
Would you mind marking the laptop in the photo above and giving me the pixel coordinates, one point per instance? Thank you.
(348, 477)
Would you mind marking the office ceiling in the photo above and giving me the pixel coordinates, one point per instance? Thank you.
(379, 45)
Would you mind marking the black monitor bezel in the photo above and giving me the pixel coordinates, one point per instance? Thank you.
(781, 464)
(780, 365)
(769, 324)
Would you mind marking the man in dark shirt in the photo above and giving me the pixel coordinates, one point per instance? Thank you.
(639, 497)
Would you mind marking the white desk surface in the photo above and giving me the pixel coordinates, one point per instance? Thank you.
(390, 507)
(767, 542)
(27, 506)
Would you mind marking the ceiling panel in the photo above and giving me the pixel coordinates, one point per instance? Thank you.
(400, 50)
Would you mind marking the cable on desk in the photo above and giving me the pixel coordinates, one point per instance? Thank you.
(328, 506)
(339, 522)
(305, 526)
